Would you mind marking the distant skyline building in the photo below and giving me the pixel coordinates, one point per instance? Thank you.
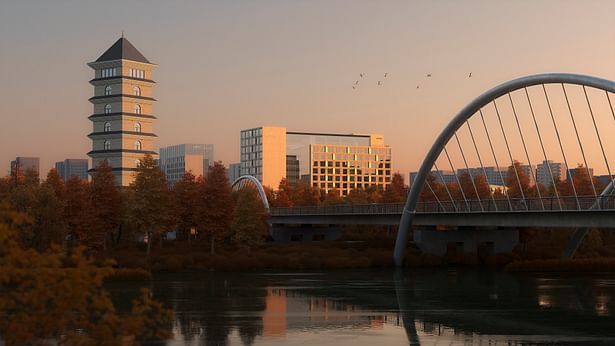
(340, 162)
(26, 163)
(234, 172)
(495, 177)
(177, 160)
(72, 167)
(123, 110)
(549, 171)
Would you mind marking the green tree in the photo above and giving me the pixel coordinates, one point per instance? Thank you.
(249, 226)
(106, 207)
(216, 209)
(150, 205)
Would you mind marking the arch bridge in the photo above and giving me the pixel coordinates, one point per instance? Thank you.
(525, 153)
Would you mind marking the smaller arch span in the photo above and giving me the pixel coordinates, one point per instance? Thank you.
(249, 180)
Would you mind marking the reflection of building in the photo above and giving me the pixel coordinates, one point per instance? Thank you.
(339, 162)
(274, 316)
(25, 164)
(72, 167)
(177, 160)
(549, 171)
(123, 106)
(233, 172)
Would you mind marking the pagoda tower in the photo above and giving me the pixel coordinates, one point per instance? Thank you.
(122, 121)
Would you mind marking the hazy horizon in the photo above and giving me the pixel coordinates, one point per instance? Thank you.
(227, 66)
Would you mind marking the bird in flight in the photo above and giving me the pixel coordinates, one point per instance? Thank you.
(379, 83)
(470, 75)
(429, 75)
(361, 75)
(386, 74)
(356, 82)
(417, 86)
(353, 87)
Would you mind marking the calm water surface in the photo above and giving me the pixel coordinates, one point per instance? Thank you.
(430, 307)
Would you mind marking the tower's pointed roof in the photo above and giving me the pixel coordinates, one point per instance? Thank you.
(122, 49)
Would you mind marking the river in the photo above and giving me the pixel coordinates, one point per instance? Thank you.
(382, 307)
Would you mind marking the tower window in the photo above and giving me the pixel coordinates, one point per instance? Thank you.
(107, 109)
(107, 145)
(107, 127)
(138, 145)
(137, 127)
(108, 90)
(136, 73)
(108, 72)
(136, 91)
(137, 109)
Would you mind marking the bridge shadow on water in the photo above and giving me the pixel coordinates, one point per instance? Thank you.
(364, 307)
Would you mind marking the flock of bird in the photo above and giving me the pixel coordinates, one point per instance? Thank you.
(355, 85)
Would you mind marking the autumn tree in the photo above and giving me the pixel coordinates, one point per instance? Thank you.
(583, 181)
(56, 183)
(517, 182)
(396, 191)
(58, 297)
(332, 198)
(357, 196)
(150, 206)
(282, 197)
(185, 198)
(216, 208)
(249, 227)
(106, 206)
(305, 195)
(78, 210)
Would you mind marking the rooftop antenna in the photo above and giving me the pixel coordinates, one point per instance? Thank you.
(122, 33)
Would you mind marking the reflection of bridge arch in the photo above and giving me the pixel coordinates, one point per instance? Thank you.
(476, 107)
(251, 182)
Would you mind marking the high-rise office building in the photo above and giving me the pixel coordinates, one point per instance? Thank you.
(177, 160)
(123, 110)
(340, 162)
(25, 164)
(72, 167)
(549, 171)
(263, 154)
(233, 172)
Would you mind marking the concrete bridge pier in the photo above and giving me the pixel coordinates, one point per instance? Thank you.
(465, 241)
(305, 232)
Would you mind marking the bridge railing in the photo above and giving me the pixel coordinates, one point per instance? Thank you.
(460, 206)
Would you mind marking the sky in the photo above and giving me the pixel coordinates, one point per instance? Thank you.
(230, 65)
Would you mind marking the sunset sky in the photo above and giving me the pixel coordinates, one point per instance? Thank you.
(230, 65)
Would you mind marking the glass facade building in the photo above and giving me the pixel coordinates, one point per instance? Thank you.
(178, 159)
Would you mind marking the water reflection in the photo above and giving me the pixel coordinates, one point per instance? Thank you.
(386, 307)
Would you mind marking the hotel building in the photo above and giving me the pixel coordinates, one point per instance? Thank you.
(177, 160)
(123, 110)
(340, 162)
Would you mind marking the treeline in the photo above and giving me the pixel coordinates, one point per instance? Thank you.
(303, 194)
(100, 216)
(517, 184)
